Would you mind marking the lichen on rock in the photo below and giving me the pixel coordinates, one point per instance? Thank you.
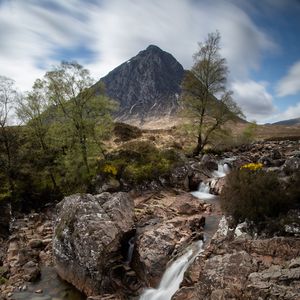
(87, 239)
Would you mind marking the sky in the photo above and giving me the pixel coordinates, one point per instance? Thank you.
(260, 40)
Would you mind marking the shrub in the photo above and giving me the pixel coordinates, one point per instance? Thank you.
(253, 194)
(109, 169)
(139, 161)
(293, 189)
(126, 132)
(252, 166)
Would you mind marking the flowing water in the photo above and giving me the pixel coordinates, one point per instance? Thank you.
(53, 289)
(56, 289)
(223, 170)
(130, 250)
(173, 275)
(203, 192)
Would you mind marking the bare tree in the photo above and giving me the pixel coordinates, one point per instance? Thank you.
(201, 86)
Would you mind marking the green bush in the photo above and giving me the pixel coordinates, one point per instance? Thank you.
(126, 132)
(139, 161)
(2, 280)
(293, 189)
(254, 195)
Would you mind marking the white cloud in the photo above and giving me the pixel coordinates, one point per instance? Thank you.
(291, 112)
(29, 36)
(32, 31)
(290, 83)
(122, 28)
(254, 99)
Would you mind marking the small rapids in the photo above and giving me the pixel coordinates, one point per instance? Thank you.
(203, 192)
(173, 275)
(223, 170)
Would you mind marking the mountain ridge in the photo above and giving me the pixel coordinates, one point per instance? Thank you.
(294, 121)
(146, 85)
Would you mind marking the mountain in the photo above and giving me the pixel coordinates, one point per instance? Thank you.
(289, 122)
(147, 85)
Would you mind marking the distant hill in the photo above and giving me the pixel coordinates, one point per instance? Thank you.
(289, 122)
(146, 85)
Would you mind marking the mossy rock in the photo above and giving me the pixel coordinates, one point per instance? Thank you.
(126, 132)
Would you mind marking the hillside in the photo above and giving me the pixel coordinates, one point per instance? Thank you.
(288, 122)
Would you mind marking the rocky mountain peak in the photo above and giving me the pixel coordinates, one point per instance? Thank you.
(147, 85)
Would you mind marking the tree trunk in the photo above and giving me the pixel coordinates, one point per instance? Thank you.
(199, 146)
(9, 163)
(84, 154)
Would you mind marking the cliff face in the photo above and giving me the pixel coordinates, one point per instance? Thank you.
(147, 85)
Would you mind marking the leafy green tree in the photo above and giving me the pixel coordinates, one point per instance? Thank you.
(8, 138)
(83, 113)
(34, 110)
(249, 133)
(201, 86)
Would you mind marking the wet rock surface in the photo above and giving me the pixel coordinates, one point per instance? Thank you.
(166, 224)
(234, 267)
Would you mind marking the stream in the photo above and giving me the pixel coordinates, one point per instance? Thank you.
(53, 288)
(174, 274)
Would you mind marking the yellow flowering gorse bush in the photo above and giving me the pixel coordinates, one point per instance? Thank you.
(110, 170)
(252, 166)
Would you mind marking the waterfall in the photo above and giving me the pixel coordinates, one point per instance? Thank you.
(203, 192)
(173, 275)
(130, 250)
(223, 170)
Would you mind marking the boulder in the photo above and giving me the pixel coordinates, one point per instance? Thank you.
(217, 185)
(179, 177)
(32, 271)
(166, 225)
(291, 165)
(236, 266)
(126, 132)
(87, 239)
(209, 163)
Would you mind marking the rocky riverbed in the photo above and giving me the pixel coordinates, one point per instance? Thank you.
(27, 269)
(124, 241)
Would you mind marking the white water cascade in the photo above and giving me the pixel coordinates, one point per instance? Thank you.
(203, 192)
(223, 170)
(130, 250)
(173, 275)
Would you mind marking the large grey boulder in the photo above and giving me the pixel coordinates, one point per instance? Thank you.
(165, 227)
(87, 239)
